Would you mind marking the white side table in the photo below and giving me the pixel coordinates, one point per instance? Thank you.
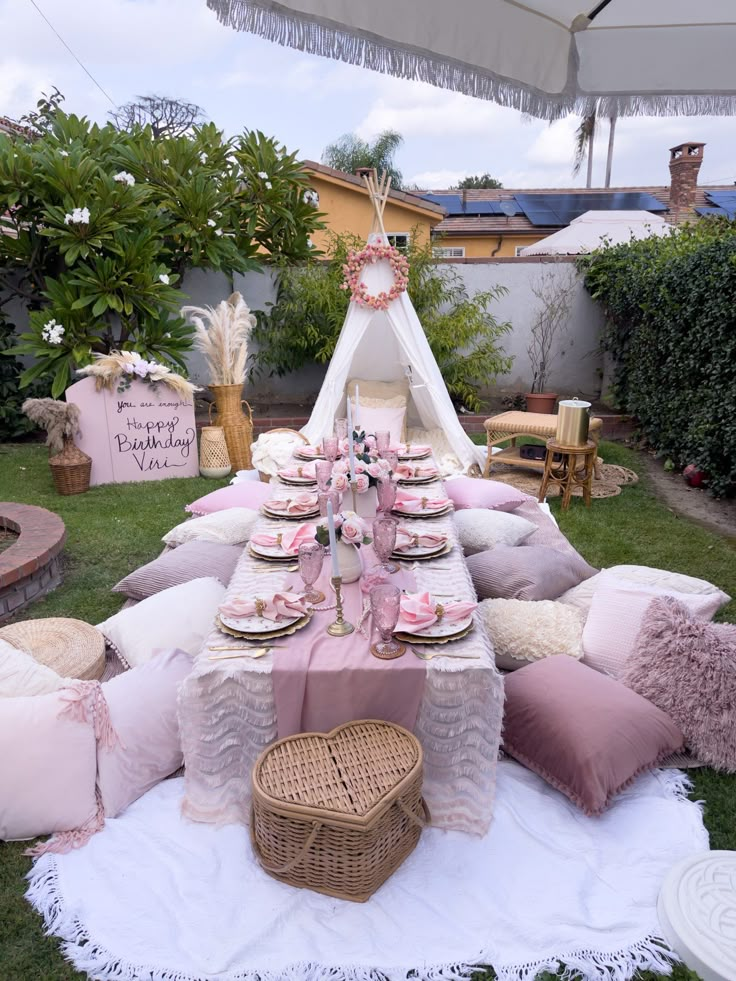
(697, 913)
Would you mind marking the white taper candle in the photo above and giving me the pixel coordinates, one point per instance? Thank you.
(333, 540)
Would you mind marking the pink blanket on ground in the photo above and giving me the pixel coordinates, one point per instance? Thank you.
(321, 682)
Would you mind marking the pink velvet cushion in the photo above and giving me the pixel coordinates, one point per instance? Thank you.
(470, 492)
(373, 420)
(246, 494)
(526, 572)
(142, 709)
(615, 618)
(47, 766)
(192, 560)
(687, 667)
(582, 732)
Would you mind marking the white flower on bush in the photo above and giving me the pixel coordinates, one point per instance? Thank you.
(211, 222)
(353, 531)
(362, 483)
(269, 185)
(63, 153)
(263, 175)
(311, 197)
(218, 232)
(52, 332)
(340, 482)
(164, 279)
(79, 216)
(123, 177)
(165, 161)
(203, 158)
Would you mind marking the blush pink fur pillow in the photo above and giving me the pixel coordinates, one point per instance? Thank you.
(687, 667)
(469, 492)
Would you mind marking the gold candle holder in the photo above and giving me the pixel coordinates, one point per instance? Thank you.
(340, 628)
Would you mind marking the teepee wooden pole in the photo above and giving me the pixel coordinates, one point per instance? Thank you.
(378, 193)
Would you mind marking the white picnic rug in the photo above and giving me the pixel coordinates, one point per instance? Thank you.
(159, 897)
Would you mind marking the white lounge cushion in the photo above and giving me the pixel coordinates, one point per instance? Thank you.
(581, 596)
(229, 527)
(479, 529)
(22, 674)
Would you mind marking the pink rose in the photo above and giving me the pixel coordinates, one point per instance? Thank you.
(352, 531)
(374, 469)
(344, 447)
(340, 466)
(370, 443)
(359, 466)
(362, 483)
(340, 482)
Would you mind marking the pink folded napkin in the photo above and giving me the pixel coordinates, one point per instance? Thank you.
(309, 451)
(291, 472)
(419, 610)
(299, 504)
(412, 470)
(280, 606)
(407, 539)
(289, 539)
(410, 502)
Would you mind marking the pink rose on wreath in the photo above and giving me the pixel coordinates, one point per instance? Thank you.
(340, 482)
(362, 483)
(353, 268)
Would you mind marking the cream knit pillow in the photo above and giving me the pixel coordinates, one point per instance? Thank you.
(479, 529)
(524, 631)
(229, 527)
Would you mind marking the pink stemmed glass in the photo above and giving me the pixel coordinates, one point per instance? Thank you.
(323, 472)
(383, 441)
(330, 445)
(386, 495)
(311, 557)
(384, 542)
(385, 607)
(392, 459)
(329, 495)
(341, 429)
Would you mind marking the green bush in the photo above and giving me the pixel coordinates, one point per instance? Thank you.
(98, 227)
(303, 324)
(12, 421)
(670, 305)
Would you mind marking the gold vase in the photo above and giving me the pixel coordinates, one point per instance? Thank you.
(238, 427)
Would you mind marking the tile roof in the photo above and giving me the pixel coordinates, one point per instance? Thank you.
(11, 128)
(413, 199)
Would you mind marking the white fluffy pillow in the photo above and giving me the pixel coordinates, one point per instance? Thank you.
(581, 596)
(479, 529)
(272, 451)
(22, 674)
(524, 631)
(229, 527)
(181, 616)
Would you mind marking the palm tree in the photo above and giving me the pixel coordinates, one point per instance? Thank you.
(584, 140)
(350, 152)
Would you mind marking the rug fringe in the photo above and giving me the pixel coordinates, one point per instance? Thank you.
(45, 897)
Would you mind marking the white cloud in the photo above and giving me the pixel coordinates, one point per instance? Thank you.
(427, 179)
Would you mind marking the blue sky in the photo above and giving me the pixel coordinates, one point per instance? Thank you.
(178, 48)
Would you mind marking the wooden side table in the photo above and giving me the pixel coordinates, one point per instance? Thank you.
(509, 426)
(575, 469)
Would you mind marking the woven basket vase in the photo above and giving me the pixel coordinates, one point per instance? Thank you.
(237, 426)
(214, 459)
(338, 812)
(70, 469)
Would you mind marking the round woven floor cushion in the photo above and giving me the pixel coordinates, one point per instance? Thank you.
(71, 648)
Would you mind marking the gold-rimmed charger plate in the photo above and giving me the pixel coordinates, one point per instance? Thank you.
(279, 515)
(423, 514)
(301, 454)
(298, 482)
(418, 480)
(270, 635)
(420, 639)
(277, 559)
(415, 456)
(406, 557)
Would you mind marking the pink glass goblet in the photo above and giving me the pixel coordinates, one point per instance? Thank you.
(323, 472)
(392, 459)
(330, 445)
(311, 556)
(385, 607)
(383, 441)
(386, 495)
(329, 495)
(341, 429)
(384, 542)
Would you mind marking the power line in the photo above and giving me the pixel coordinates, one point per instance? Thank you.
(72, 53)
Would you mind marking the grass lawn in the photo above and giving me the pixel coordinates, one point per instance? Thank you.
(113, 529)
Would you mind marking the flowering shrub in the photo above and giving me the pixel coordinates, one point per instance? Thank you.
(371, 254)
(98, 227)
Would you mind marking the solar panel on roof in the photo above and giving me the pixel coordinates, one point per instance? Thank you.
(722, 199)
(561, 209)
(718, 212)
(452, 203)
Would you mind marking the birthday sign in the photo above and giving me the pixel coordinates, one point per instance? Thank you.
(144, 433)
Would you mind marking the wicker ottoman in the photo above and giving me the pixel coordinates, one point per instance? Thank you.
(72, 648)
(338, 812)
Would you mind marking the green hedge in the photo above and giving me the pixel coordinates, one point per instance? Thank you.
(671, 327)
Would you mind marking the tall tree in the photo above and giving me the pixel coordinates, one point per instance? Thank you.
(350, 152)
(584, 140)
(477, 182)
(166, 116)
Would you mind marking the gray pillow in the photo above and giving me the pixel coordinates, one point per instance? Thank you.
(193, 560)
(526, 572)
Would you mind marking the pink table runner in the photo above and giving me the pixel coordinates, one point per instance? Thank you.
(320, 681)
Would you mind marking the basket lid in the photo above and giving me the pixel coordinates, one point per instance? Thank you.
(348, 775)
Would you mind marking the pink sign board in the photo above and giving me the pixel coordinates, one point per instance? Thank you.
(144, 433)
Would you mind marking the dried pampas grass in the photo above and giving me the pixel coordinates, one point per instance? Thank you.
(59, 419)
(222, 334)
(108, 369)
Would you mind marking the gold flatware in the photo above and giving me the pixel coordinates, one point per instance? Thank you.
(254, 653)
(430, 657)
(244, 647)
(278, 568)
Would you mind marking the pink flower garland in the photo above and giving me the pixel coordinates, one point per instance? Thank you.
(373, 253)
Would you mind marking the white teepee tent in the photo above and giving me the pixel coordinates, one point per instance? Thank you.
(389, 345)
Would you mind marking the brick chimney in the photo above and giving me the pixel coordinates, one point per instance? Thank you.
(685, 161)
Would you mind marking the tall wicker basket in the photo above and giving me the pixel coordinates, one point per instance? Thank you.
(237, 426)
(338, 813)
(214, 459)
(71, 469)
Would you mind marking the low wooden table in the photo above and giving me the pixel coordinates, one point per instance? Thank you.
(574, 469)
(511, 425)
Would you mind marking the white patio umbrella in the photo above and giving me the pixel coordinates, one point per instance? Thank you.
(544, 57)
(595, 228)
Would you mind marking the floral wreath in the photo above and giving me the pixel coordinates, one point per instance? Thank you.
(372, 253)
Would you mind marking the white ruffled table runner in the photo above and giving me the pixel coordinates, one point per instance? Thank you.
(227, 713)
